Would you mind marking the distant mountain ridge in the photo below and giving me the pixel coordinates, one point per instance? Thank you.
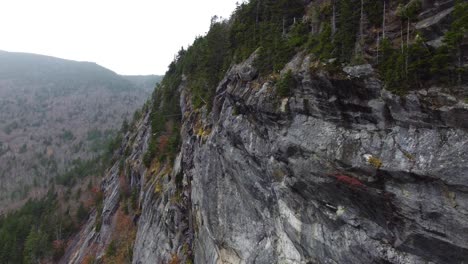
(145, 82)
(42, 69)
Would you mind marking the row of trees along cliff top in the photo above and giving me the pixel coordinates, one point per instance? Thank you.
(337, 31)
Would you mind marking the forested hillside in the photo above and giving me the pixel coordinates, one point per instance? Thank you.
(56, 118)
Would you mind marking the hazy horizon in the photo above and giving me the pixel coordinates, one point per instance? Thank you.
(135, 38)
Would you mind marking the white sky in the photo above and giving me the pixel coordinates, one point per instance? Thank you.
(126, 36)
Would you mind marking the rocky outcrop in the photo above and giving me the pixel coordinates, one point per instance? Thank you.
(433, 26)
(346, 173)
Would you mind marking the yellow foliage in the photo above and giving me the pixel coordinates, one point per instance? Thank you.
(408, 156)
(201, 130)
(155, 167)
(158, 188)
(176, 198)
(376, 162)
(168, 169)
(203, 133)
(278, 175)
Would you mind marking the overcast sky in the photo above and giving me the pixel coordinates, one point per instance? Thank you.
(126, 36)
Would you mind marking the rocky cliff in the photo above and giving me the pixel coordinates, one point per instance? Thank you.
(340, 170)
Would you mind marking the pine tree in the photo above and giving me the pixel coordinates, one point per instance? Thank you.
(455, 36)
(35, 246)
(348, 28)
(419, 57)
(81, 213)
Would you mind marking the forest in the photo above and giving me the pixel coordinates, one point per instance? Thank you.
(40, 229)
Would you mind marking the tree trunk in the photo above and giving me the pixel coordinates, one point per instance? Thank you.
(284, 27)
(361, 25)
(407, 46)
(256, 21)
(383, 20)
(378, 47)
(359, 46)
(333, 18)
(459, 55)
(401, 34)
(408, 33)
(256, 17)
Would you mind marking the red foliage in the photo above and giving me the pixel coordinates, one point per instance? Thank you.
(58, 249)
(95, 190)
(58, 244)
(98, 195)
(92, 197)
(124, 223)
(169, 126)
(163, 142)
(348, 180)
(88, 203)
(89, 259)
(123, 183)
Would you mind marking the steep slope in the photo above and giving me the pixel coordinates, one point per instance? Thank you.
(303, 146)
(54, 115)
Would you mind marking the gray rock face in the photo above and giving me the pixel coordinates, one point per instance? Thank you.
(359, 71)
(345, 173)
(163, 228)
(433, 26)
(92, 242)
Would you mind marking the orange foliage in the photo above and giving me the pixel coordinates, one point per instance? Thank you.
(89, 259)
(174, 259)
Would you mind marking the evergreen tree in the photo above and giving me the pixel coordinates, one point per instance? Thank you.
(35, 246)
(347, 30)
(81, 213)
(419, 58)
(455, 36)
